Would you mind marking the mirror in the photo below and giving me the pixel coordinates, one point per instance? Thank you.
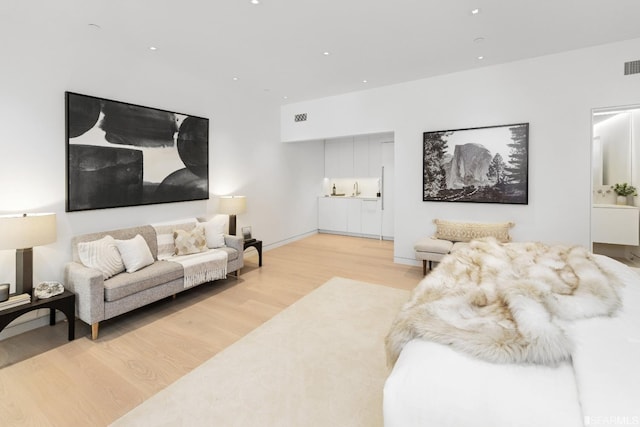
(612, 147)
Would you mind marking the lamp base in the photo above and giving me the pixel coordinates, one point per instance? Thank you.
(232, 225)
(24, 271)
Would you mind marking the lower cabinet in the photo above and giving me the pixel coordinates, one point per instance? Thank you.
(350, 216)
(332, 214)
(371, 217)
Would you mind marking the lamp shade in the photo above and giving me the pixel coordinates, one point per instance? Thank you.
(27, 230)
(232, 205)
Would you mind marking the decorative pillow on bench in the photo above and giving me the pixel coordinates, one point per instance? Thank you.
(468, 231)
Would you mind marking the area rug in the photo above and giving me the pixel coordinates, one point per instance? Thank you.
(320, 362)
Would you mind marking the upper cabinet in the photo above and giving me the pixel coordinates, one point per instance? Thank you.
(360, 157)
(354, 157)
(338, 158)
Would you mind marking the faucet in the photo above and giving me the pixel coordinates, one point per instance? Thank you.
(356, 191)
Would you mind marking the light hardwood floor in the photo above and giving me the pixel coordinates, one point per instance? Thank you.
(47, 381)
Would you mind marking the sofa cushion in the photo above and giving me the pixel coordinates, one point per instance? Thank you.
(468, 231)
(135, 253)
(102, 255)
(125, 284)
(232, 253)
(190, 242)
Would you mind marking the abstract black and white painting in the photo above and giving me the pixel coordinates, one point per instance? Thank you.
(486, 164)
(121, 154)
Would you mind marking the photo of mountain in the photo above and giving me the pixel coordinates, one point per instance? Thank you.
(485, 165)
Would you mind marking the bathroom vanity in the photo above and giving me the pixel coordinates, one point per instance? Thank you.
(615, 224)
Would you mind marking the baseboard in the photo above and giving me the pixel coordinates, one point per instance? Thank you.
(289, 240)
(407, 261)
(28, 322)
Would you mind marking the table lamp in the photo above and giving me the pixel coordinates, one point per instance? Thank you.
(23, 232)
(232, 206)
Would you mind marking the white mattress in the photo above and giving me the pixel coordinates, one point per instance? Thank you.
(433, 385)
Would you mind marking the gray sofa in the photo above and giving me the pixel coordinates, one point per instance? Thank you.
(98, 299)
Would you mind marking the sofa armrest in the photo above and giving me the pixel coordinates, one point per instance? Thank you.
(88, 285)
(234, 242)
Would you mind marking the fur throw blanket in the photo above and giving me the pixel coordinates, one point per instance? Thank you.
(506, 303)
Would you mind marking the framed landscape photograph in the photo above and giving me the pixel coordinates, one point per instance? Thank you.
(121, 154)
(485, 165)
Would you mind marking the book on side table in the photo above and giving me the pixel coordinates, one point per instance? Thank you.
(15, 300)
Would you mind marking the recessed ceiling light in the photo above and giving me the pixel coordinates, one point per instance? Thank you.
(480, 57)
(255, 1)
(325, 53)
(285, 97)
(153, 48)
(475, 11)
(364, 81)
(235, 79)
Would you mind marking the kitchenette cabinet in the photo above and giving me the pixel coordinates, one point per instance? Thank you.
(338, 158)
(353, 216)
(359, 157)
(332, 214)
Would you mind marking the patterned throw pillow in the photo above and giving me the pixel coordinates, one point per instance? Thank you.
(103, 255)
(164, 232)
(468, 231)
(190, 242)
(135, 253)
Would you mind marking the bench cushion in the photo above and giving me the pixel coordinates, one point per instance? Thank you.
(429, 244)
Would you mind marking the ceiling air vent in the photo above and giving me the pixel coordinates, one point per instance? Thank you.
(300, 117)
(632, 67)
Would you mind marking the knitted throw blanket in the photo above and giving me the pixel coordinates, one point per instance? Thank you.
(203, 267)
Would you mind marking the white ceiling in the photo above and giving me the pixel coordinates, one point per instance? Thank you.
(276, 48)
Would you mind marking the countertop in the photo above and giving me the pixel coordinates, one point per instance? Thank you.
(607, 205)
(352, 197)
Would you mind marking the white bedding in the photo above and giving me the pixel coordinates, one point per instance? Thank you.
(606, 359)
(434, 385)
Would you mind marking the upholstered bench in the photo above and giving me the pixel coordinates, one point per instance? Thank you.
(451, 235)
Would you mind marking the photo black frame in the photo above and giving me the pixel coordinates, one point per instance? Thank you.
(120, 154)
(483, 165)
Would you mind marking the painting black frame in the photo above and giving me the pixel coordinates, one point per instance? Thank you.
(470, 172)
(107, 143)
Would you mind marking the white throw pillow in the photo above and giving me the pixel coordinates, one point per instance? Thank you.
(135, 253)
(214, 231)
(102, 255)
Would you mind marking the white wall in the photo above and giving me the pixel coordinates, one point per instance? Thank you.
(281, 181)
(555, 94)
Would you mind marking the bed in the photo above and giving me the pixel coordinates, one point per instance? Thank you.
(436, 384)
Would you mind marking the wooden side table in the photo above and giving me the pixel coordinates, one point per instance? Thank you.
(258, 245)
(65, 302)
